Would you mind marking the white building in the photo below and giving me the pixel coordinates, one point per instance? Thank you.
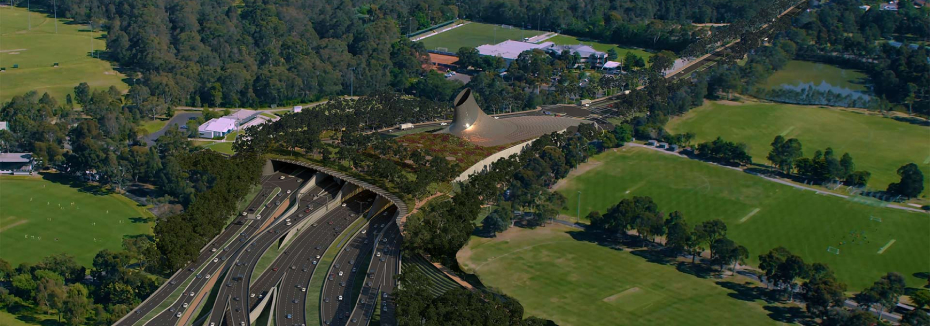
(611, 67)
(298, 108)
(510, 50)
(217, 127)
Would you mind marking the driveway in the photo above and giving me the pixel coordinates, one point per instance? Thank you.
(179, 120)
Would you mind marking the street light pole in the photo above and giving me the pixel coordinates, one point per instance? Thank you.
(578, 212)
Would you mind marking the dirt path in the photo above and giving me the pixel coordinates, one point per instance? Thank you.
(581, 169)
(11, 225)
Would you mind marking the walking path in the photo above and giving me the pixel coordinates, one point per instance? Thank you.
(773, 179)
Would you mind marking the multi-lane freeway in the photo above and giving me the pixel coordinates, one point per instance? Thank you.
(380, 279)
(241, 228)
(298, 224)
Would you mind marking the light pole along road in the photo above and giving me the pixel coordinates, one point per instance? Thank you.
(240, 224)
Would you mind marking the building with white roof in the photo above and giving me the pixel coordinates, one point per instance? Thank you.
(586, 52)
(217, 127)
(510, 50)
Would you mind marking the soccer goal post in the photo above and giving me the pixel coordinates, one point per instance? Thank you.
(833, 250)
(875, 219)
(442, 49)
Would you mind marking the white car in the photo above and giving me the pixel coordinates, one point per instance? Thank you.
(208, 276)
(303, 289)
(178, 315)
(282, 178)
(340, 273)
(192, 293)
(185, 305)
(444, 124)
(363, 231)
(214, 249)
(288, 191)
(343, 204)
(216, 260)
(379, 254)
(340, 299)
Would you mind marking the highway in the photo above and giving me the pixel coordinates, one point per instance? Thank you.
(347, 264)
(382, 281)
(234, 289)
(291, 290)
(289, 186)
(240, 225)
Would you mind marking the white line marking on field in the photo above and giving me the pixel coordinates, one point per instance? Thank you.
(927, 161)
(745, 218)
(783, 133)
(880, 251)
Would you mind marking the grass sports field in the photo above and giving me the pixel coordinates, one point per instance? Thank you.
(36, 50)
(761, 214)
(474, 34)
(877, 145)
(40, 218)
(621, 51)
(577, 282)
(797, 72)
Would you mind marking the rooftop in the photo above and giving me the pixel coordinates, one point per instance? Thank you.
(223, 124)
(15, 157)
(583, 50)
(510, 49)
(243, 115)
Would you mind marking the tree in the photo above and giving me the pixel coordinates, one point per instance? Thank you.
(468, 57)
(784, 153)
(886, 291)
(822, 291)
(711, 231)
(725, 252)
(82, 93)
(24, 286)
(782, 268)
(76, 305)
(911, 184)
(921, 298)
(678, 233)
(612, 54)
(662, 61)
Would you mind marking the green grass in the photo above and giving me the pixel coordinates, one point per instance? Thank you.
(440, 282)
(474, 34)
(151, 126)
(93, 223)
(315, 289)
(878, 145)
(802, 221)
(797, 72)
(222, 147)
(603, 47)
(36, 50)
(8, 319)
(576, 282)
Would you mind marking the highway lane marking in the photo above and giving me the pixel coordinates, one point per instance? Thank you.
(746, 218)
(886, 246)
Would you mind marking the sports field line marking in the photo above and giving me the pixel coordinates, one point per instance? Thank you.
(621, 294)
(885, 247)
(927, 161)
(746, 218)
(783, 133)
(13, 50)
(5, 227)
(635, 187)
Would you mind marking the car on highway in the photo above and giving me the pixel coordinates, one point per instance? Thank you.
(340, 298)
(178, 315)
(192, 293)
(340, 273)
(378, 254)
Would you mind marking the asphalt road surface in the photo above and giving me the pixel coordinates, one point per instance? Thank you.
(234, 229)
(214, 267)
(234, 288)
(347, 264)
(379, 278)
(291, 308)
(179, 120)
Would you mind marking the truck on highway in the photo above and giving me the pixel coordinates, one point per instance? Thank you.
(405, 126)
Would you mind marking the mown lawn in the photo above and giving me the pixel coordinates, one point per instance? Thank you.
(797, 72)
(878, 145)
(36, 50)
(761, 214)
(40, 218)
(474, 34)
(575, 282)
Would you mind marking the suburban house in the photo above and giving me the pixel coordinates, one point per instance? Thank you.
(217, 127)
(611, 67)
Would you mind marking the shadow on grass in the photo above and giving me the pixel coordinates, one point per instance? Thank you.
(792, 314)
(74, 182)
(697, 270)
(746, 291)
(30, 319)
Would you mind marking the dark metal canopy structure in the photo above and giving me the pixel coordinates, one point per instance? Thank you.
(471, 123)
